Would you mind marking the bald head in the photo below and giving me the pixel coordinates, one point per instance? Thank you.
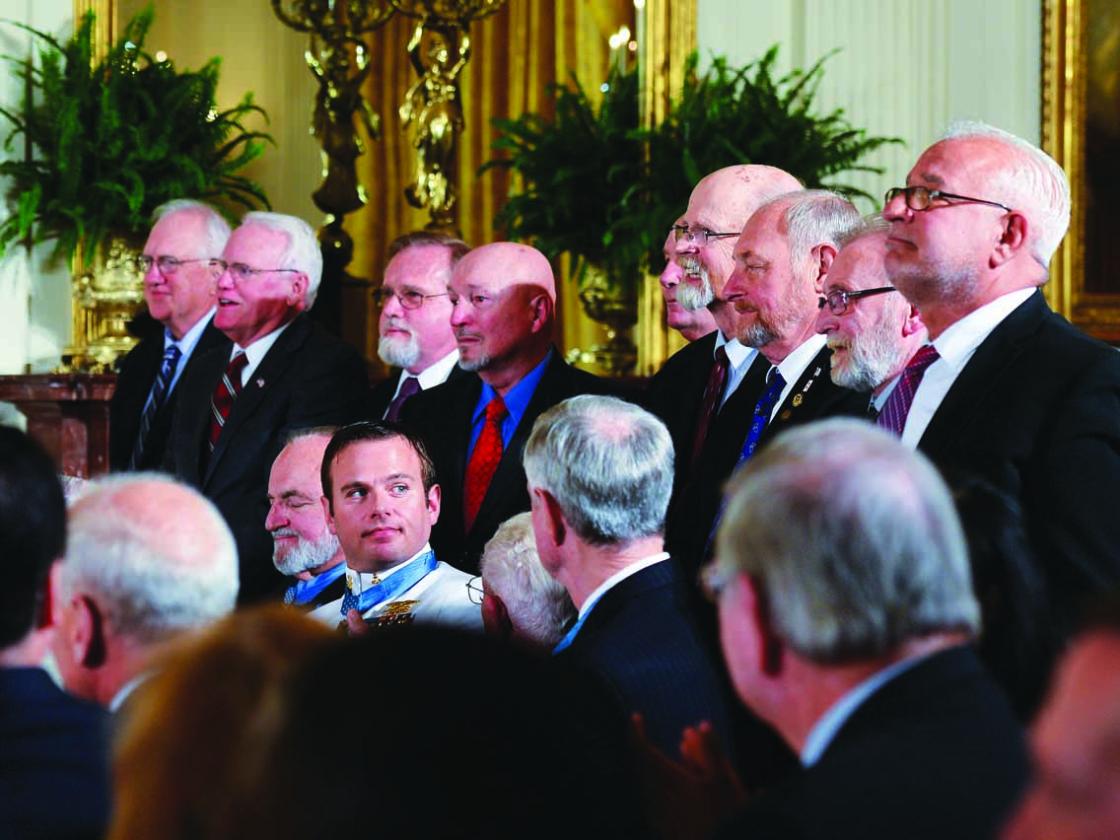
(503, 298)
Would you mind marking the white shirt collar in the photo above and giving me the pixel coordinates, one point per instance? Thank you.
(361, 581)
(738, 355)
(125, 691)
(793, 365)
(959, 341)
(433, 375)
(192, 336)
(617, 578)
(256, 351)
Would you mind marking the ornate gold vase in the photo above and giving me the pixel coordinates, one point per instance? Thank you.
(106, 296)
(613, 302)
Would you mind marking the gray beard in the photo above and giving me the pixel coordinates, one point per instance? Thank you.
(306, 555)
(398, 353)
(477, 364)
(692, 298)
(757, 335)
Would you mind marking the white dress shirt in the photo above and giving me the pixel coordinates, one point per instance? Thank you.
(739, 359)
(793, 365)
(431, 376)
(256, 351)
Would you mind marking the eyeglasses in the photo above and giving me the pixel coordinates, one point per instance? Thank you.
(839, 300)
(475, 590)
(241, 272)
(169, 266)
(698, 236)
(921, 198)
(408, 299)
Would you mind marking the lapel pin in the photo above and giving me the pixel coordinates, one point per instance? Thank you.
(260, 382)
(797, 400)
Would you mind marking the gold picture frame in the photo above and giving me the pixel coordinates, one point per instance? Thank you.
(1080, 43)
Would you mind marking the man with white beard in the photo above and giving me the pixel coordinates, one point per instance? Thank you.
(415, 324)
(872, 330)
(303, 546)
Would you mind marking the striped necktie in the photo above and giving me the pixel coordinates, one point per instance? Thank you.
(221, 403)
(897, 406)
(156, 399)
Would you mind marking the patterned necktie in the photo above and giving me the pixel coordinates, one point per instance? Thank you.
(409, 387)
(709, 407)
(762, 411)
(484, 461)
(897, 406)
(155, 401)
(221, 403)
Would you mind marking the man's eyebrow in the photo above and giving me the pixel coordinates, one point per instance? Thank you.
(398, 477)
(355, 484)
(288, 494)
(933, 179)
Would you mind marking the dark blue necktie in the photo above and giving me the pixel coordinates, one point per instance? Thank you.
(155, 401)
(762, 411)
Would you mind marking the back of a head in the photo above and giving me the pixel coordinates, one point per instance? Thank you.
(853, 539)
(156, 555)
(32, 530)
(608, 463)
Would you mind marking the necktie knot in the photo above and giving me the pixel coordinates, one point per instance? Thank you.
(234, 368)
(721, 357)
(897, 407)
(926, 356)
(409, 388)
(495, 409)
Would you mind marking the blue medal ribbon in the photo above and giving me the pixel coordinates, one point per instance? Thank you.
(573, 631)
(397, 584)
(305, 591)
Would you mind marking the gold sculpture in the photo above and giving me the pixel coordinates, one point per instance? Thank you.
(106, 295)
(433, 106)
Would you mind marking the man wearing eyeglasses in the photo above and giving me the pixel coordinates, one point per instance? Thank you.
(181, 295)
(283, 373)
(872, 330)
(415, 326)
(1006, 388)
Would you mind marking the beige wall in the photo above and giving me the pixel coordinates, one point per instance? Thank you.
(907, 67)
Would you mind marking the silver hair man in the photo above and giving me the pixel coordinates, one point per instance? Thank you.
(302, 253)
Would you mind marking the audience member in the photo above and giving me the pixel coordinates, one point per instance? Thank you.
(520, 601)
(415, 326)
(1075, 743)
(872, 331)
(690, 323)
(1007, 388)
(179, 768)
(54, 775)
(503, 299)
(846, 610)
(284, 372)
(149, 559)
(600, 474)
(381, 501)
(179, 263)
(302, 545)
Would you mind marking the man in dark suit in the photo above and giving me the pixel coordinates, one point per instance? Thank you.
(179, 288)
(54, 774)
(846, 610)
(284, 372)
(600, 473)
(415, 326)
(1009, 390)
(503, 297)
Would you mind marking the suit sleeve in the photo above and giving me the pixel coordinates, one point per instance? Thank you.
(333, 391)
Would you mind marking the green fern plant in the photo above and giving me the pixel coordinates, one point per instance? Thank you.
(110, 141)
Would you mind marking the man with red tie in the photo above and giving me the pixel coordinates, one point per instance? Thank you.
(503, 299)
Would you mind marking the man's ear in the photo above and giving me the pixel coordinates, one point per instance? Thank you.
(769, 651)
(554, 516)
(913, 323)
(822, 256)
(541, 307)
(298, 296)
(1012, 240)
(435, 496)
(87, 632)
(328, 514)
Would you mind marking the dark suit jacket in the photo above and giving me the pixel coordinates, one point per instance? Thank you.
(935, 753)
(1036, 412)
(54, 763)
(382, 393)
(442, 416)
(640, 640)
(307, 378)
(135, 375)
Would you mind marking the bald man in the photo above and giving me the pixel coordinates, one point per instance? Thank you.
(503, 299)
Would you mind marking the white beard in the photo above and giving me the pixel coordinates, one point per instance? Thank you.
(306, 555)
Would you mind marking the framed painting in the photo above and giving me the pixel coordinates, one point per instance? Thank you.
(1081, 129)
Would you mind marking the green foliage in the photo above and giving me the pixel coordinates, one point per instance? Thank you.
(112, 141)
(606, 191)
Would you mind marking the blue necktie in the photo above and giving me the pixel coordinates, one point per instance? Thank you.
(762, 411)
(155, 401)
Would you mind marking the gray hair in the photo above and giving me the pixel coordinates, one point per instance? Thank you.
(217, 228)
(609, 465)
(1029, 181)
(538, 605)
(853, 540)
(867, 226)
(156, 555)
(303, 252)
(812, 218)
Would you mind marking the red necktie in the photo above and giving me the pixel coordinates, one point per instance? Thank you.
(709, 407)
(484, 460)
(897, 406)
(221, 403)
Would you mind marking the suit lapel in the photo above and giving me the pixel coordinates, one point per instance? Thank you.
(193, 406)
(810, 397)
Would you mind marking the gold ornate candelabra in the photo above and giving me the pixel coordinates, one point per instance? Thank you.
(439, 48)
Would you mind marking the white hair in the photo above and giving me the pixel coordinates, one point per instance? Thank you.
(853, 539)
(609, 465)
(1030, 181)
(537, 604)
(155, 554)
(812, 218)
(303, 252)
(217, 228)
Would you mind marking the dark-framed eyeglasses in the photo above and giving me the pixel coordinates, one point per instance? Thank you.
(698, 236)
(408, 299)
(241, 272)
(838, 300)
(169, 266)
(475, 590)
(923, 198)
